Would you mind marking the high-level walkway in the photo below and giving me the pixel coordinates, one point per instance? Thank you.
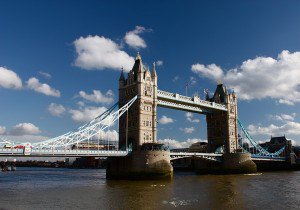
(185, 103)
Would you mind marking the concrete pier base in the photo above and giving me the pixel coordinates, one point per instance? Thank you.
(140, 165)
(232, 163)
(238, 163)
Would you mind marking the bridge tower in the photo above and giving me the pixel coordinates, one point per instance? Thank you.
(142, 115)
(222, 127)
(137, 128)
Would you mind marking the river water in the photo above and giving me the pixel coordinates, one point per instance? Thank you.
(52, 188)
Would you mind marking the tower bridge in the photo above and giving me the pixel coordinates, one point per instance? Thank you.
(139, 98)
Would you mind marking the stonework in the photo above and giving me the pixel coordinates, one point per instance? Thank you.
(141, 165)
(222, 128)
(142, 114)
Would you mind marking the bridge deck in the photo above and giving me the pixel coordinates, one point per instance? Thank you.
(115, 153)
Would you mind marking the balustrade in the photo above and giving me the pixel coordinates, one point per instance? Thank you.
(197, 102)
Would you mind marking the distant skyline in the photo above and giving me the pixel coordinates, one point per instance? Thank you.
(60, 62)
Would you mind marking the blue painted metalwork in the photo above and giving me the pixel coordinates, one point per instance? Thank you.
(261, 151)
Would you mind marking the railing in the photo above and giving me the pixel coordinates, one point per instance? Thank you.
(10, 151)
(196, 101)
(181, 106)
(266, 158)
(186, 98)
(207, 156)
(195, 154)
(62, 152)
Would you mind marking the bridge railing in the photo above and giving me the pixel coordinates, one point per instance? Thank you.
(182, 106)
(10, 150)
(62, 152)
(191, 100)
(195, 154)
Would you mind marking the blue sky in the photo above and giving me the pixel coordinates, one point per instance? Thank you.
(252, 46)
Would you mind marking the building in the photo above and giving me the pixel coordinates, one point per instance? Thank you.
(198, 147)
(275, 143)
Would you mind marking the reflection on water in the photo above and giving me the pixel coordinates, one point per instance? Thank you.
(40, 188)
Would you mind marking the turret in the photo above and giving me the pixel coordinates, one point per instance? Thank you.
(154, 75)
(206, 95)
(137, 68)
(122, 78)
(220, 93)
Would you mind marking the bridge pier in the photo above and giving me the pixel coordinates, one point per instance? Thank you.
(232, 163)
(140, 165)
(238, 163)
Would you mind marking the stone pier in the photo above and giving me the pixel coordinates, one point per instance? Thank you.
(141, 165)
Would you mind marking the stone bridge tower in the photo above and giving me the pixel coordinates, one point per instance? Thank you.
(142, 114)
(137, 127)
(222, 127)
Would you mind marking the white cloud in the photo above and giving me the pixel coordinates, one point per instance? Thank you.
(165, 120)
(80, 103)
(211, 71)
(284, 117)
(192, 81)
(190, 117)
(9, 79)
(98, 52)
(289, 127)
(25, 138)
(176, 78)
(34, 84)
(86, 114)
(261, 77)
(287, 102)
(188, 130)
(56, 109)
(174, 144)
(45, 74)
(159, 63)
(133, 39)
(2, 130)
(24, 129)
(98, 97)
(111, 135)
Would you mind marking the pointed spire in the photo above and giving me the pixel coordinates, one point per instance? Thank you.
(153, 74)
(138, 65)
(206, 92)
(122, 78)
(138, 57)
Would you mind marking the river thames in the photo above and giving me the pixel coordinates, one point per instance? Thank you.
(52, 188)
